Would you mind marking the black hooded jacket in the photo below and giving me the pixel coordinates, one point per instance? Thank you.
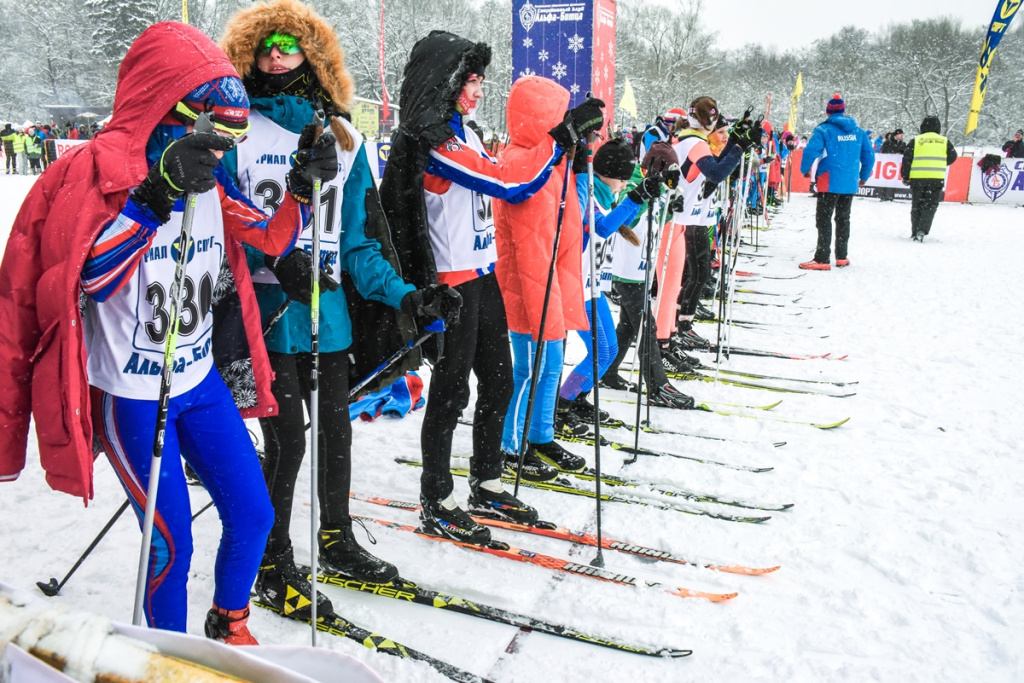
(438, 67)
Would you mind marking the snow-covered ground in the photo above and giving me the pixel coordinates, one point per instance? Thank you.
(900, 560)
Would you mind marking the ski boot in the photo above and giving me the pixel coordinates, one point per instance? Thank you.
(341, 554)
(490, 499)
(229, 626)
(689, 340)
(555, 455)
(668, 396)
(534, 469)
(284, 587)
(567, 422)
(446, 519)
(674, 359)
(584, 409)
(704, 314)
(613, 380)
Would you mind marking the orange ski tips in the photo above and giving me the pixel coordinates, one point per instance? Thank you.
(713, 597)
(748, 571)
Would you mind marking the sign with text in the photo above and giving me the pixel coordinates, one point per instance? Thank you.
(1003, 185)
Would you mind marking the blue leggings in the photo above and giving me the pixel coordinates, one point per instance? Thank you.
(581, 380)
(542, 428)
(204, 426)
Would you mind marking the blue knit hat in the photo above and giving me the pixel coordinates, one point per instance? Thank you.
(835, 105)
(226, 99)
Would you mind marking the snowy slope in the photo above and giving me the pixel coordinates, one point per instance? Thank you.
(900, 560)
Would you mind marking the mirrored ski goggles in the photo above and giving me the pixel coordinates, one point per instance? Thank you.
(286, 44)
(232, 126)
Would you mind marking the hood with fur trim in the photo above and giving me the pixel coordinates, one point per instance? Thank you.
(319, 44)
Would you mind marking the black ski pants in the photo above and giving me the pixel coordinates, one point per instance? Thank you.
(631, 307)
(830, 203)
(925, 198)
(478, 343)
(697, 270)
(284, 438)
(12, 161)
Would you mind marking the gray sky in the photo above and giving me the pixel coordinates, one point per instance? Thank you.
(790, 24)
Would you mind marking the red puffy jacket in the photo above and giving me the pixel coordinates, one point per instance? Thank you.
(525, 232)
(42, 353)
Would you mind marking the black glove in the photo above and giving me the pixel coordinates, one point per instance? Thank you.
(579, 122)
(579, 162)
(185, 166)
(648, 189)
(677, 205)
(708, 189)
(671, 176)
(433, 302)
(740, 136)
(294, 271)
(314, 158)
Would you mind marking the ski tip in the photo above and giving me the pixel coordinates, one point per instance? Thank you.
(772, 405)
(787, 506)
(760, 470)
(779, 444)
(713, 597)
(674, 654)
(746, 571)
(832, 425)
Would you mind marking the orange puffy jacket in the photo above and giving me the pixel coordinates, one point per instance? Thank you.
(525, 232)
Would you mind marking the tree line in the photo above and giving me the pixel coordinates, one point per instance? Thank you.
(68, 51)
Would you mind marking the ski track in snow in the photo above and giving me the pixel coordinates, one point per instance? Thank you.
(899, 561)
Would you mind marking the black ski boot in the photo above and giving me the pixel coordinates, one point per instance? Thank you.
(554, 454)
(688, 339)
(282, 585)
(437, 520)
(668, 396)
(613, 380)
(567, 422)
(499, 504)
(704, 314)
(584, 409)
(534, 469)
(674, 359)
(341, 554)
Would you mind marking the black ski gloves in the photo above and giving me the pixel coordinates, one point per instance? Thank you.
(314, 158)
(433, 302)
(579, 162)
(746, 133)
(579, 122)
(648, 189)
(185, 166)
(294, 271)
(676, 205)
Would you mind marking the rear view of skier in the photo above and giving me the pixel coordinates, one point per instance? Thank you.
(437, 191)
(290, 62)
(924, 170)
(106, 220)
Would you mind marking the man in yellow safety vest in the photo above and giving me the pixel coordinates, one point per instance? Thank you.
(924, 170)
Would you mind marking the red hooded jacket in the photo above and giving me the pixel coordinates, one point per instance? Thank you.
(525, 233)
(42, 353)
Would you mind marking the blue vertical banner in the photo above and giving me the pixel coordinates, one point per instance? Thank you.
(554, 40)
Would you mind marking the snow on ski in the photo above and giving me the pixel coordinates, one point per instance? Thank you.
(754, 375)
(626, 448)
(694, 376)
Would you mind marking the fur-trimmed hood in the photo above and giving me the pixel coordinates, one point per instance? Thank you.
(319, 44)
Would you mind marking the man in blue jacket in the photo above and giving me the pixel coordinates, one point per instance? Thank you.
(845, 157)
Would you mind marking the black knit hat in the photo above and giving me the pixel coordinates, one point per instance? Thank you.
(931, 124)
(615, 160)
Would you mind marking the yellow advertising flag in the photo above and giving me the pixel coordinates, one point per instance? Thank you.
(628, 101)
(794, 102)
(1005, 11)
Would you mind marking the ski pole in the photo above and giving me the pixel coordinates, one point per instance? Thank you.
(51, 588)
(433, 328)
(539, 353)
(278, 314)
(598, 560)
(314, 388)
(644, 345)
(203, 125)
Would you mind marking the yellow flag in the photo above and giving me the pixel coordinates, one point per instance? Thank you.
(1005, 11)
(628, 102)
(794, 102)
(184, 11)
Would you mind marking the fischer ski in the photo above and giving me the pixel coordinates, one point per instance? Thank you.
(551, 530)
(753, 375)
(740, 351)
(563, 485)
(508, 552)
(700, 405)
(339, 626)
(410, 592)
(690, 376)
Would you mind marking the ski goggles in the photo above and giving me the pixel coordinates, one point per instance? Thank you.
(285, 44)
(232, 123)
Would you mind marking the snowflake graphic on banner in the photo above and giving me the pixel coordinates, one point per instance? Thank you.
(527, 42)
(559, 71)
(574, 89)
(527, 72)
(576, 42)
(543, 55)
